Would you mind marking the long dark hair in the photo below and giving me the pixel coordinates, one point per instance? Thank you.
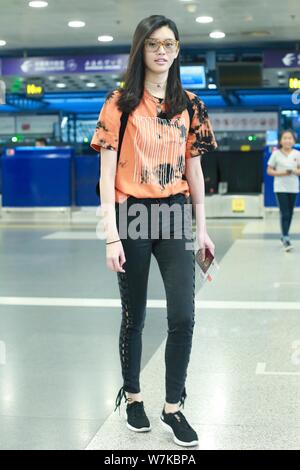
(133, 89)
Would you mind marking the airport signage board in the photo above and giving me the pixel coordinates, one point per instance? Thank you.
(282, 59)
(193, 76)
(294, 81)
(244, 121)
(34, 90)
(37, 66)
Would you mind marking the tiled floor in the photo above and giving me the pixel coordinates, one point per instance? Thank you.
(59, 326)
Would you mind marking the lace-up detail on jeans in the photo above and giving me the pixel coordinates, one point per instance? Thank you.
(126, 319)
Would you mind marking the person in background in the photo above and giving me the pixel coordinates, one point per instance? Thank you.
(284, 165)
(41, 142)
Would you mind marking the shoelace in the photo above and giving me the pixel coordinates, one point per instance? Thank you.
(119, 398)
(183, 398)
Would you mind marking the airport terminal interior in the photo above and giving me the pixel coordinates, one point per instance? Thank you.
(60, 309)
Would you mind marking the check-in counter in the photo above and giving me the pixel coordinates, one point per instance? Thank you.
(86, 171)
(37, 177)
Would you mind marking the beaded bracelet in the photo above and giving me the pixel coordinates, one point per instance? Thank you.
(113, 242)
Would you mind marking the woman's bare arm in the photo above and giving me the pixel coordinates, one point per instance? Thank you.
(107, 192)
(115, 256)
(195, 179)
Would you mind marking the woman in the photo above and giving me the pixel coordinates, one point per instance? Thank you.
(159, 165)
(284, 165)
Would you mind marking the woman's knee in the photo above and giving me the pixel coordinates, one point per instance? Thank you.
(181, 323)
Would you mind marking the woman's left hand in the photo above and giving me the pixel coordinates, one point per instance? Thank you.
(204, 241)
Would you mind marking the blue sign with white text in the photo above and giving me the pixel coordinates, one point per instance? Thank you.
(193, 76)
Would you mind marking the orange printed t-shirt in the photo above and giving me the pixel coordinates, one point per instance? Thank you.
(154, 149)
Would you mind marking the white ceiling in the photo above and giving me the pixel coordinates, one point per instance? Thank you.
(23, 27)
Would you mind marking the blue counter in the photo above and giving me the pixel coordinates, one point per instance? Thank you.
(86, 173)
(37, 177)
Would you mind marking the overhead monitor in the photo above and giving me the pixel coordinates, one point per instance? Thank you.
(239, 75)
(193, 76)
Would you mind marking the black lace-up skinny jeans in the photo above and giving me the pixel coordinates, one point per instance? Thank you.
(176, 260)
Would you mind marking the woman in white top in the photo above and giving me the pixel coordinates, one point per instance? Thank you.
(284, 165)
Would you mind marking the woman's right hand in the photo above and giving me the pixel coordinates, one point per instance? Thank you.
(115, 257)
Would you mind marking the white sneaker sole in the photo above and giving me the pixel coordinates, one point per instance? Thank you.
(177, 441)
(138, 429)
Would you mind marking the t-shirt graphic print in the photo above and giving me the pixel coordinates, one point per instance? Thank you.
(159, 148)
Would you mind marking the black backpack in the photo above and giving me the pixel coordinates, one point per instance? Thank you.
(124, 120)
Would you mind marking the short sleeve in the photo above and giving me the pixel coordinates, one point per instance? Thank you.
(272, 160)
(201, 138)
(108, 125)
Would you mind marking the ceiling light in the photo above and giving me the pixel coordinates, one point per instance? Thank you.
(61, 85)
(2, 43)
(105, 38)
(204, 19)
(38, 4)
(76, 24)
(217, 35)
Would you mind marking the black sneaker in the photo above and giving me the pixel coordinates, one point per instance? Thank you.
(183, 434)
(136, 417)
